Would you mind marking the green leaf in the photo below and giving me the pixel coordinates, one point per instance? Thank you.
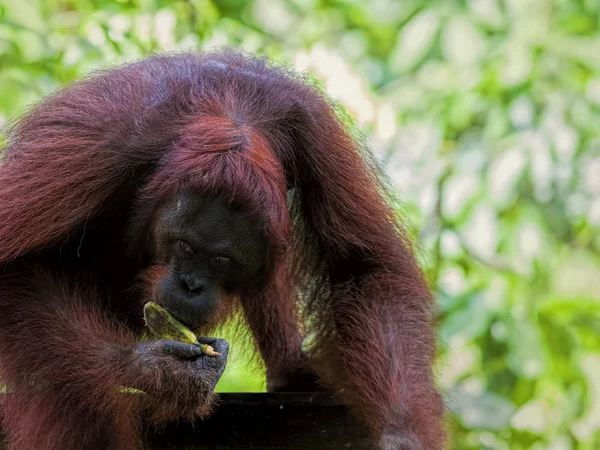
(461, 42)
(415, 40)
(469, 322)
(485, 411)
(527, 355)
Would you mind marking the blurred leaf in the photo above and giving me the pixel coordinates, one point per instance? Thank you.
(589, 424)
(486, 411)
(469, 322)
(517, 64)
(527, 355)
(461, 42)
(415, 40)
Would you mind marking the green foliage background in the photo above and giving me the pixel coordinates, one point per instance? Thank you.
(486, 114)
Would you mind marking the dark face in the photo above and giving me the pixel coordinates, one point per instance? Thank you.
(212, 252)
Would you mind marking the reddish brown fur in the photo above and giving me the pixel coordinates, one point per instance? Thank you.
(81, 178)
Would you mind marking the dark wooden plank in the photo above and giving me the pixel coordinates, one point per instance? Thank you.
(290, 421)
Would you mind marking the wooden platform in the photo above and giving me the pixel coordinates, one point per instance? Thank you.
(286, 421)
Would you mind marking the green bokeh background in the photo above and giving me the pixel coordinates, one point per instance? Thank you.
(486, 114)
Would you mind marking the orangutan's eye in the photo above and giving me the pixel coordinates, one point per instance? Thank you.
(221, 260)
(185, 247)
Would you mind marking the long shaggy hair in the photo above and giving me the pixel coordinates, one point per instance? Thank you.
(81, 177)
